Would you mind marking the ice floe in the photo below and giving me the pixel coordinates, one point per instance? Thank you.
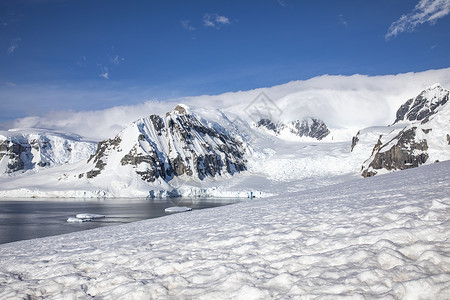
(177, 209)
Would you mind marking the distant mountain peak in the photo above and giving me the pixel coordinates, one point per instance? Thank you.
(307, 127)
(34, 149)
(426, 104)
(180, 109)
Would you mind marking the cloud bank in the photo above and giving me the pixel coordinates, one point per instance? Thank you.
(343, 102)
(426, 11)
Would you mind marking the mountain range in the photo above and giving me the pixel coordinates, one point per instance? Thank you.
(209, 152)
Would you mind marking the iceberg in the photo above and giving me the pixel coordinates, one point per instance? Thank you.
(89, 216)
(80, 218)
(77, 220)
(177, 209)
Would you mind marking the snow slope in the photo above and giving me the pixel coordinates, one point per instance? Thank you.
(386, 237)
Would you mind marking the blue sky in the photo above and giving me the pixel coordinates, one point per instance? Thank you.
(93, 54)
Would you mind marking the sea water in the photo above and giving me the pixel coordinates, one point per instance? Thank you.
(35, 218)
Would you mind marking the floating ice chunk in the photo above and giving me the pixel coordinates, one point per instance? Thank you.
(177, 209)
(77, 220)
(89, 216)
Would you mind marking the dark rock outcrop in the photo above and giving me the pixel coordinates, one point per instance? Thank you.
(13, 151)
(424, 105)
(404, 153)
(355, 141)
(310, 127)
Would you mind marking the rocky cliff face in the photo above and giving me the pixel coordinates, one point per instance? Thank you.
(425, 105)
(24, 150)
(177, 145)
(406, 150)
(309, 127)
(419, 134)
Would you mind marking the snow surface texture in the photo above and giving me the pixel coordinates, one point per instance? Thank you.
(386, 237)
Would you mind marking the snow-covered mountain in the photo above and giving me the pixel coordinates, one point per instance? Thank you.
(34, 149)
(198, 152)
(419, 135)
(308, 127)
(428, 103)
(181, 144)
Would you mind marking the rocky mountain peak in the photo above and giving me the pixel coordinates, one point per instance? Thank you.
(161, 148)
(180, 109)
(426, 104)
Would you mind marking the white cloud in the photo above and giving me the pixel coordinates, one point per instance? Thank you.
(116, 60)
(426, 11)
(105, 72)
(14, 45)
(215, 20)
(281, 2)
(353, 102)
(222, 20)
(187, 25)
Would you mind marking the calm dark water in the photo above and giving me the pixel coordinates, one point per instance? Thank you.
(29, 219)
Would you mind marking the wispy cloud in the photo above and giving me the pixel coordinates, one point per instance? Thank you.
(281, 2)
(187, 25)
(104, 72)
(10, 19)
(342, 19)
(116, 60)
(426, 11)
(14, 45)
(113, 60)
(83, 62)
(215, 20)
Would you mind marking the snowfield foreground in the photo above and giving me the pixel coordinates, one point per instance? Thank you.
(384, 237)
